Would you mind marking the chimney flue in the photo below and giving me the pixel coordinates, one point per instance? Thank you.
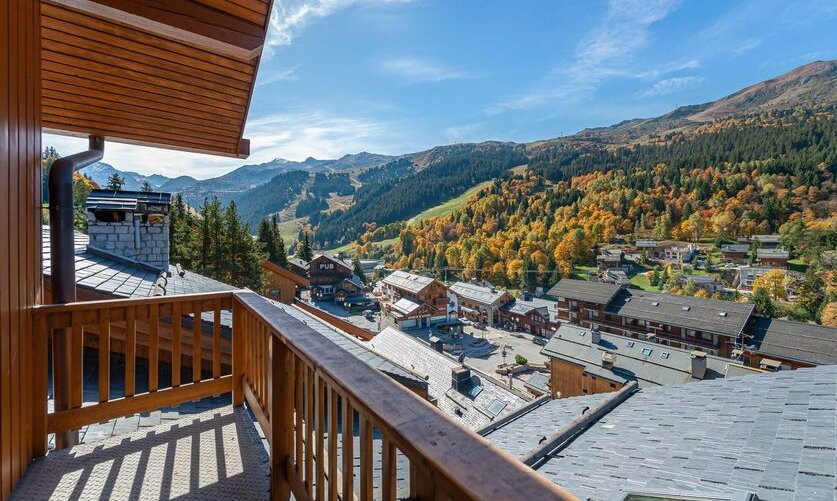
(595, 334)
(698, 364)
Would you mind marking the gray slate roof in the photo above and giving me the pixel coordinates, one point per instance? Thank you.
(702, 314)
(407, 281)
(574, 344)
(773, 434)
(735, 248)
(360, 350)
(125, 278)
(584, 290)
(772, 253)
(477, 293)
(809, 343)
(409, 352)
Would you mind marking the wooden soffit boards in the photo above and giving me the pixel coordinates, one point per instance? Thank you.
(167, 73)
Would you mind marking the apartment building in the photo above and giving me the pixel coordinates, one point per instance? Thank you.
(480, 303)
(413, 301)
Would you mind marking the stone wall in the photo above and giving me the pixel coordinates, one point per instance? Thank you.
(119, 238)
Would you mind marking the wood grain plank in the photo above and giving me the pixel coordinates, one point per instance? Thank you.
(130, 353)
(366, 461)
(176, 319)
(154, 348)
(348, 470)
(319, 416)
(389, 473)
(104, 355)
(197, 355)
(77, 363)
(309, 430)
(216, 340)
(332, 443)
(281, 379)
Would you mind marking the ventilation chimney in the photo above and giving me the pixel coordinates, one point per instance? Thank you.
(607, 360)
(437, 344)
(130, 224)
(698, 364)
(595, 334)
(461, 378)
(525, 296)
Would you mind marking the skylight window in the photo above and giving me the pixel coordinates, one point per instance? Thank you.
(722, 313)
(582, 333)
(655, 303)
(686, 308)
(496, 407)
(664, 355)
(646, 351)
(630, 344)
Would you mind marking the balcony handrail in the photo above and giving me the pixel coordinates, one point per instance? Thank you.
(458, 463)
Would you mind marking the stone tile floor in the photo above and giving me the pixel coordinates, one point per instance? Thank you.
(213, 453)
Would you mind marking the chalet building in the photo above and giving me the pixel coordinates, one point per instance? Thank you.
(767, 241)
(175, 75)
(706, 282)
(678, 321)
(531, 315)
(736, 253)
(332, 278)
(610, 259)
(586, 361)
(772, 258)
(747, 276)
(298, 266)
(480, 303)
(614, 276)
(775, 344)
(646, 245)
(281, 284)
(680, 253)
(413, 301)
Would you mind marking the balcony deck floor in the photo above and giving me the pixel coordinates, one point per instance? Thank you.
(213, 454)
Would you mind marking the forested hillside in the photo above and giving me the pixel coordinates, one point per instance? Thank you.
(390, 198)
(773, 173)
(271, 197)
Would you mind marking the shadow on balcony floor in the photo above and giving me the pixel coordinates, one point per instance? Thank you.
(215, 454)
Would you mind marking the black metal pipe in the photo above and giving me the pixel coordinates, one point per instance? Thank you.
(63, 275)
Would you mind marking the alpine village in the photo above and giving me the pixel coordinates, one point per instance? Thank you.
(644, 311)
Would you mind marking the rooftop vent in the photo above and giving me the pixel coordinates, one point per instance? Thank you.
(595, 334)
(722, 313)
(655, 303)
(686, 308)
(698, 364)
(607, 360)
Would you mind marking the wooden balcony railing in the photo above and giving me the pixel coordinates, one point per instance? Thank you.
(308, 395)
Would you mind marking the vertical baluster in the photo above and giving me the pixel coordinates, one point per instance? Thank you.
(153, 347)
(216, 340)
(309, 429)
(77, 364)
(388, 473)
(348, 450)
(41, 366)
(281, 395)
(320, 429)
(176, 318)
(104, 355)
(421, 483)
(365, 458)
(130, 351)
(197, 345)
(298, 385)
(260, 361)
(239, 358)
(264, 339)
(332, 444)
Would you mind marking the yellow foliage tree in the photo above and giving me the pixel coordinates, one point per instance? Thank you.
(774, 282)
(829, 314)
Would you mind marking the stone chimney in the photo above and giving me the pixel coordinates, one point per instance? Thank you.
(698, 364)
(130, 224)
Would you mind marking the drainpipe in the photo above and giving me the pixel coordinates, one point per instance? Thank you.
(63, 278)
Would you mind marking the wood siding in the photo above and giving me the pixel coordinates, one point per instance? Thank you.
(20, 240)
(570, 380)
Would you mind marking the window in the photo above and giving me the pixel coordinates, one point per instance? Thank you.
(664, 355)
(630, 344)
(646, 351)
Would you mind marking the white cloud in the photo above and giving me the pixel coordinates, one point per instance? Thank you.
(278, 75)
(606, 52)
(289, 16)
(293, 136)
(415, 70)
(466, 133)
(671, 85)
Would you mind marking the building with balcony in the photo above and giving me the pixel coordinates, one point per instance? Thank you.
(680, 253)
(736, 253)
(587, 361)
(772, 257)
(300, 415)
(413, 301)
(480, 303)
(610, 259)
(533, 315)
(282, 284)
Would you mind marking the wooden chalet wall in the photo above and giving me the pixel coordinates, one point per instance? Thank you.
(20, 240)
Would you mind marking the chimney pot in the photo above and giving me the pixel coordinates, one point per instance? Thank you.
(698, 364)
(595, 334)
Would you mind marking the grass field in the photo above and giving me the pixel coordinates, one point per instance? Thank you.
(446, 208)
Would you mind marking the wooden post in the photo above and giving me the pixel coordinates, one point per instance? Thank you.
(238, 353)
(281, 418)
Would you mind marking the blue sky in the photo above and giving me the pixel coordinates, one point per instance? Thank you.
(396, 76)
